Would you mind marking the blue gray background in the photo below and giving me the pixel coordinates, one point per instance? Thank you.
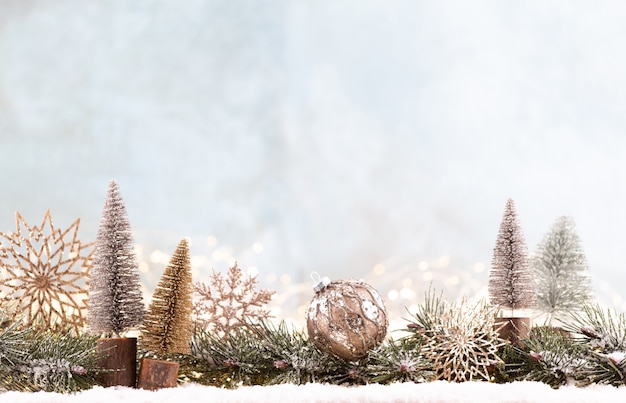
(367, 139)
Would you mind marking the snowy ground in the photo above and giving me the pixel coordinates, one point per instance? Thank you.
(433, 392)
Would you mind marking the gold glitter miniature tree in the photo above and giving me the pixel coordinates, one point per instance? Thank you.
(167, 327)
(230, 302)
(43, 275)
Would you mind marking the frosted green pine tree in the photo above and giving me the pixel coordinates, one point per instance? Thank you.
(511, 280)
(115, 298)
(561, 271)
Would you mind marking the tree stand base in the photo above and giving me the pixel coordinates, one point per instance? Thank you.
(513, 330)
(157, 374)
(118, 357)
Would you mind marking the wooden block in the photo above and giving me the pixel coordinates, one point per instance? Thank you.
(118, 357)
(157, 374)
(514, 330)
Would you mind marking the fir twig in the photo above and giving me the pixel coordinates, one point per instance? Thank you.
(265, 355)
(295, 359)
(232, 362)
(13, 351)
(428, 316)
(399, 361)
(61, 362)
(603, 333)
(33, 361)
(603, 329)
(549, 357)
(603, 369)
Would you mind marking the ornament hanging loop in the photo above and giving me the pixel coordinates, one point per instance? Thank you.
(320, 283)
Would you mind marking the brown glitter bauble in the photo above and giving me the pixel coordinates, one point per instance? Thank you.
(348, 318)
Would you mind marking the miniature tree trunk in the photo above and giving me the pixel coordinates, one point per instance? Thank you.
(118, 358)
(157, 374)
(513, 330)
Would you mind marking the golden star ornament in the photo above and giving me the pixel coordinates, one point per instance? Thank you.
(44, 274)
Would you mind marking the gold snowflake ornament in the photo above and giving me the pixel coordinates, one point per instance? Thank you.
(43, 275)
(230, 302)
(463, 343)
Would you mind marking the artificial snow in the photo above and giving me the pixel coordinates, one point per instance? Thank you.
(616, 357)
(370, 310)
(432, 392)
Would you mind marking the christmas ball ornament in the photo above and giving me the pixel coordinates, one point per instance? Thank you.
(346, 317)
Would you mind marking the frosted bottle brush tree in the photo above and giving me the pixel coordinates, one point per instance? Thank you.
(115, 298)
(511, 280)
(561, 271)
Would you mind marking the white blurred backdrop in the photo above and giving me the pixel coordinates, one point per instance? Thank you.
(367, 139)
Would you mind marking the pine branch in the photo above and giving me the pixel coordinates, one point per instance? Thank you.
(601, 329)
(295, 358)
(13, 352)
(603, 333)
(549, 357)
(399, 361)
(61, 362)
(428, 315)
(12, 342)
(53, 362)
(604, 369)
(233, 362)
(265, 355)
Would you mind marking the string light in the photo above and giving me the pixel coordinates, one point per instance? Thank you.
(211, 241)
(403, 287)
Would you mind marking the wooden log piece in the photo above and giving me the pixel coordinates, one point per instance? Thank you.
(514, 330)
(118, 358)
(157, 374)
